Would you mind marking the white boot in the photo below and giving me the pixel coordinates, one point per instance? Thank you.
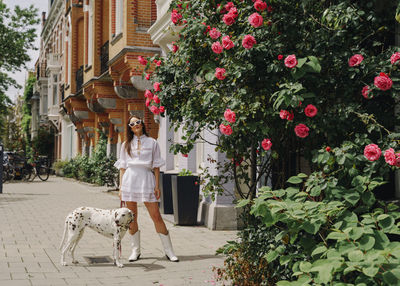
(169, 252)
(135, 243)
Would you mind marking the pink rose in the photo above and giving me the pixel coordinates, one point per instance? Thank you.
(156, 86)
(256, 20)
(220, 73)
(148, 94)
(356, 60)
(148, 101)
(214, 33)
(390, 157)
(280, 57)
(229, 19)
(372, 152)
(310, 110)
(162, 109)
(230, 116)
(217, 47)
(395, 58)
(266, 144)
(175, 16)
(383, 82)
(158, 63)
(225, 129)
(248, 41)
(154, 109)
(148, 76)
(291, 61)
(301, 130)
(142, 60)
(175, 48)
(156, 99)
(260, 5)
(227, 43)
(365, 92)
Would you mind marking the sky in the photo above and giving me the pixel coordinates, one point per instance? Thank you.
(21, 76)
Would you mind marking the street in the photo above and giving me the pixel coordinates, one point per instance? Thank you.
(31, 225)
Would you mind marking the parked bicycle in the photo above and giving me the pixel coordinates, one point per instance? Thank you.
(40, 168)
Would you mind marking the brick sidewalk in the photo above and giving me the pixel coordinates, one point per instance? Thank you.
(31, 224)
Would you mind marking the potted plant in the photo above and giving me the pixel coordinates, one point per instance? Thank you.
(185, 197)
(166, 206)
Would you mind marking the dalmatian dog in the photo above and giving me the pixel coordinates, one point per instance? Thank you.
(110, 223)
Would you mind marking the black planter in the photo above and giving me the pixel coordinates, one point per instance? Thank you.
(185, 199)
(166, 206)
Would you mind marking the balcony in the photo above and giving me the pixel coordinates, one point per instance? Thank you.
(53, 61)
(104, 58)
(79, 78)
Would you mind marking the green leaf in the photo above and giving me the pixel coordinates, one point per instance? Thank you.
(352, 198)
(356, 232)
(370, 271)
(210, 76)
(294, 180)
(390, 278)
(301, 62)
(305, 266)
(302, 175)
(385, 221)
(366, 242)
(336, 236)
(242, 203)
(319, 250)
(356, 255)
(311, 228)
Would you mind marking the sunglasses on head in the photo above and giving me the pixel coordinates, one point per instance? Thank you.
(135, 123)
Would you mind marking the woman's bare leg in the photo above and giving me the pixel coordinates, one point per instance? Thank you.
(155, 215)
(133, 228)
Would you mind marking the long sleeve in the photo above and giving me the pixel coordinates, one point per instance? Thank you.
(122, 161)
(157, 160)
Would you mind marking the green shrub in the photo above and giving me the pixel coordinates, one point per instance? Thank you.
(59, 166)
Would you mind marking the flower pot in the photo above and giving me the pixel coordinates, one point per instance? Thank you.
(166, 206)
(185, 199)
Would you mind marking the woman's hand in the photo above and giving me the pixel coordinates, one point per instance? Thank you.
(119, 194)
(157, 192)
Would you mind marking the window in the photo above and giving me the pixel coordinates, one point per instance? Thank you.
(55, 89)
(119, 16)
(90, 33)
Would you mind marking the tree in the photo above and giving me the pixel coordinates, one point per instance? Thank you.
(17, 37)
(279, 73)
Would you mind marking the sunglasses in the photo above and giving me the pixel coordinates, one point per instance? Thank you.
(132, 124)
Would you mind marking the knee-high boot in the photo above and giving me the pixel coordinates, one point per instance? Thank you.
(135, 243)
(169, 252)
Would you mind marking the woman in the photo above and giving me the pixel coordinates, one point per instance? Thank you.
(140, 155)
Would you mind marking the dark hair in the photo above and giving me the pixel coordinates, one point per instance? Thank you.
(131, 134)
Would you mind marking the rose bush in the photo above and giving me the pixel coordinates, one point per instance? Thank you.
(303, 91)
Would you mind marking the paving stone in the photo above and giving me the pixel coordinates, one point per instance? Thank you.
(32, 227)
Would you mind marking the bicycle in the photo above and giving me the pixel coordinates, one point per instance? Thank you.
(39, 168)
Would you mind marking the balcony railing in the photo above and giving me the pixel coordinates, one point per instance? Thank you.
(41, 70)
(104, 58)
(79, 78)
(62, 92)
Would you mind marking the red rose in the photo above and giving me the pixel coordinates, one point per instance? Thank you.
(356, 60)
(214, 33)
(256, 20)
(395, 58)
(156, 86)
(162, 109)
(248, 41)
(148, 94)
(220, 73)
(310, 110)
(328, 149)
(156, 99)
(217, 47)
(301, 130)
(142, 60)
(175, 48)
(230, 116)
(227, 43)
(266, 144)
(175, 16)
(148, 102)
(225, 129)
(372, 152)
(291, 61)
(185, 155)
(148, 76)
(383, 82)
(365, 92)
(229, 19)
(280, 57)
(260, 5)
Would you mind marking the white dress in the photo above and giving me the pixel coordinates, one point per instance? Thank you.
(138, 181)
